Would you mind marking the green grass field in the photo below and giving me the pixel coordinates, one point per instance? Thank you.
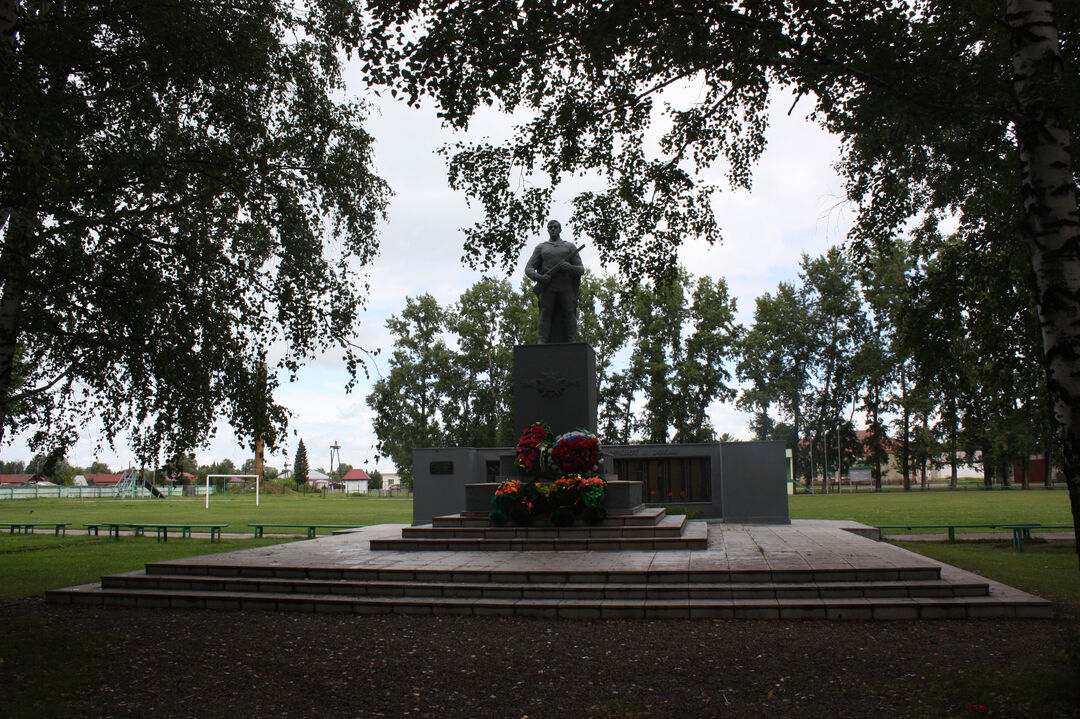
(1033, 505)
(237, 511)
(1047, 569)
(32, 563)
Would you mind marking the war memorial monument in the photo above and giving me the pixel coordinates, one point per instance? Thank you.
(561, 526)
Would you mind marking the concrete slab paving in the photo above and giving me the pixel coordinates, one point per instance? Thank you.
(803, 570)
(803, 545)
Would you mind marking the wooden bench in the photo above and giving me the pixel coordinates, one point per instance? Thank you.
(161, 529)
(29, 527)
(309, 527)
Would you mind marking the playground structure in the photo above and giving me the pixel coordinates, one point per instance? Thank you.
(128, 486)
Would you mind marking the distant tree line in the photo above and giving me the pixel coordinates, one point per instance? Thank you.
(935, 346)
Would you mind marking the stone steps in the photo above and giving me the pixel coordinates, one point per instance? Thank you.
(667, 526)
(671, 533)
(663, 608)
(804, 571)
(511, 576)
(642, 529)
(637, 517)
(573, 591)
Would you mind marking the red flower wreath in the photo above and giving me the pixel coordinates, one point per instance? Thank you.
(534, 443)
(577, 452)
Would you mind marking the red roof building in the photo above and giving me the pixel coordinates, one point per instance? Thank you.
(354, 474)
(103, 480)
(16, 480)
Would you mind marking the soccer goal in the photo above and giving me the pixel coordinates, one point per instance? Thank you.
(225, 483)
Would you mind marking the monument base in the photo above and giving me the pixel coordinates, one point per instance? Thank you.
(620, 497)
(555, 383)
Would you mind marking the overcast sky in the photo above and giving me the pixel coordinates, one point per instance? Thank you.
(795, 207)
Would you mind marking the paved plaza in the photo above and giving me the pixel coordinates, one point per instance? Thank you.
(809, 570)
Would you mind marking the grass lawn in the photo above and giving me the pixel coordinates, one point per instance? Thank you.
(236, 511)
(1033, 505)
(1047, 569)
(31, 564)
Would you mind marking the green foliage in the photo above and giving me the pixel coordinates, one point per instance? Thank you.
(800, 355)
(15, 466)
(919, 93)
(300, 465)
(97, 467)
(188, 180)
(683, 333)
(776, 355)
(408, 402)
(947, 112)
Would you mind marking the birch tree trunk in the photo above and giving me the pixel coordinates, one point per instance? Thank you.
(1051, 227)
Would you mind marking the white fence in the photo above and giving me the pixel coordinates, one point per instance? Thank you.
(35, 492)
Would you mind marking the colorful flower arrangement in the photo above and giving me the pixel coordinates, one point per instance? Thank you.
(533, 447)
(561, 502)
(577, 492)
(577, 452)
(510, 487)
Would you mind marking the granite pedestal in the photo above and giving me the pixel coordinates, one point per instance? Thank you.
(555, 383)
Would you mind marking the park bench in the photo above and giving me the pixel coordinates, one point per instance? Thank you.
(161, 529)
(28, 527)
(1021, 530)
(950, 528)
(309, 527)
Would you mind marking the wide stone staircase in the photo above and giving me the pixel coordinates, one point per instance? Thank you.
(740, 574)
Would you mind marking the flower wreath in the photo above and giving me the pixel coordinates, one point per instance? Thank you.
(533, 447)
(577, 452)
(561, 502)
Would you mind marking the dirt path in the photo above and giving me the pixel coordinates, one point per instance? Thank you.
(208, 664)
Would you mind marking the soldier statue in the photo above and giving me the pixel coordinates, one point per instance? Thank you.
(556, 267)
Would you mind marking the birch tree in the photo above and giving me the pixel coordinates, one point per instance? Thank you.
(182, 190)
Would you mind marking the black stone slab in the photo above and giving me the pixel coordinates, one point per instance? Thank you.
(555, 383)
